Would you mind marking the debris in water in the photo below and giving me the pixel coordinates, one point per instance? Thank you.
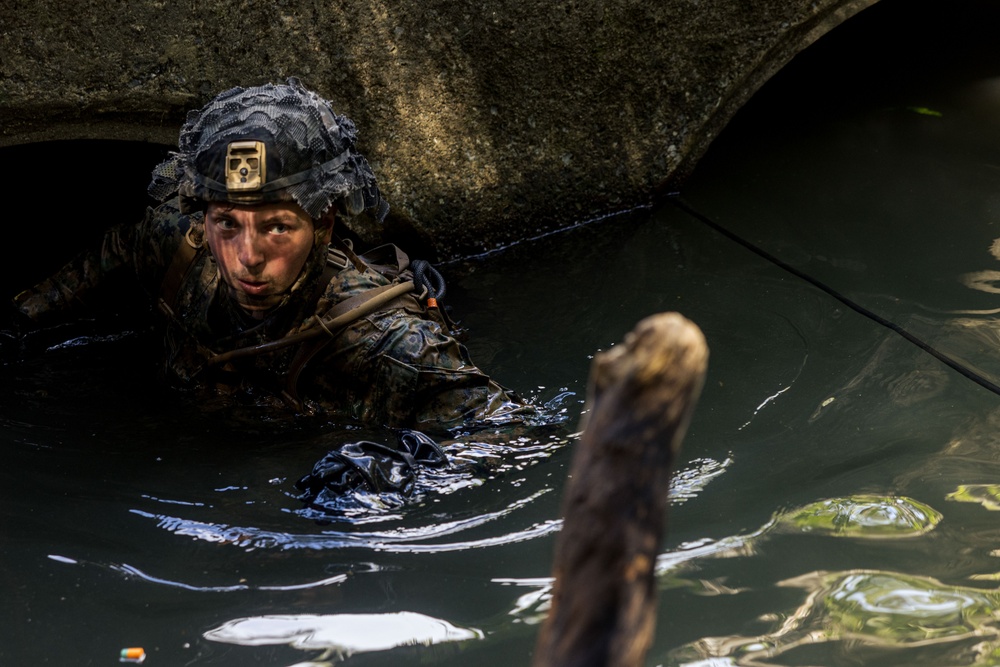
(924, 111)
(136, 655)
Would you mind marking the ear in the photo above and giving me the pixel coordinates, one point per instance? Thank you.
(324, 227)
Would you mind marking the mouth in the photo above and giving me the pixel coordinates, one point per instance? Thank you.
(253, 287)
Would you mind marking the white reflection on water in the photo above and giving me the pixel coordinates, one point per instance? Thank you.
(397, 540)
(340, 635)
(531, 607)
(133, 571)
(690, 481)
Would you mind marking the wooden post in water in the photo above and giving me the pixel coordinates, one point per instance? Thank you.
(641, 396)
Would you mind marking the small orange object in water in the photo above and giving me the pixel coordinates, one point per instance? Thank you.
(136, 655)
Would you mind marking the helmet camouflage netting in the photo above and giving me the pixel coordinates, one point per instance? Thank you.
(310, 154)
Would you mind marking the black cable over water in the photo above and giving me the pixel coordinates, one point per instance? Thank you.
(676, 200)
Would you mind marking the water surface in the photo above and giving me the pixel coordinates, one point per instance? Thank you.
(131, 519)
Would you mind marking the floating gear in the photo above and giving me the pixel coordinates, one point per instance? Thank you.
(369, 467)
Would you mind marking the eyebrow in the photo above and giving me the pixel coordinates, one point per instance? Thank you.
(284, 217)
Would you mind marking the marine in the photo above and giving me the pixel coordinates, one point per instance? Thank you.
(260, 298)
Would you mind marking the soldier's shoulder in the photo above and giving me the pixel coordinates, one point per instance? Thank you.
(162, 231)
(168, 219)
(349, 281)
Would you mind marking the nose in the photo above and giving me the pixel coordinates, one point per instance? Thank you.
(251, 252)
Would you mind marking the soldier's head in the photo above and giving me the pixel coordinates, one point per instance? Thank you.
(258, 161)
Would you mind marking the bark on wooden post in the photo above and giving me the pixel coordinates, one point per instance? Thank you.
(641, 396)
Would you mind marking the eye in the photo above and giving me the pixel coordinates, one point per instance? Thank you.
(279, 228)
(221, 220)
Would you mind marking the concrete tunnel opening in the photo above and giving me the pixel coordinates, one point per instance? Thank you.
(79, 186)
(893, 51)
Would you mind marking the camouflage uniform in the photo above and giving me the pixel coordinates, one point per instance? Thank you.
(396, 366)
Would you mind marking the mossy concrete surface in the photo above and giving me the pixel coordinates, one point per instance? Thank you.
(486, 121)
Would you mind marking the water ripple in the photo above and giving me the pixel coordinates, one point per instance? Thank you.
(132, 571)
(396, 540)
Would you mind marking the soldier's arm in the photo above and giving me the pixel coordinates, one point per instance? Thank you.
(126, 252)
(69, 289)
(425, 379)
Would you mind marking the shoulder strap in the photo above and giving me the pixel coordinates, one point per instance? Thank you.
(178, 270)
(335, 319)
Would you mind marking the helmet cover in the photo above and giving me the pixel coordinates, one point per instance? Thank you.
(306, 154)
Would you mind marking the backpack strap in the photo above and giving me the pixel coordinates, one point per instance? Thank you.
(334, 320)
(180, 266)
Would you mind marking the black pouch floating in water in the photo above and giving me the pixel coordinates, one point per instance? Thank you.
(370, 467)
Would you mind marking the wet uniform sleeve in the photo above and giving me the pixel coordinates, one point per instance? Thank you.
(398, 368)
(425, 378)
(125, 252)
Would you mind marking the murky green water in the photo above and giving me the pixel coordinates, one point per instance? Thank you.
(833, 504)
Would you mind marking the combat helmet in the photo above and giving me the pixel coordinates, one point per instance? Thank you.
(265, 144)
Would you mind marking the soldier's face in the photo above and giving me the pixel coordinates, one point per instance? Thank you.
(260, 250)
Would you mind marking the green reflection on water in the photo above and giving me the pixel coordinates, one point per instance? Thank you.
(865, 611)
(865, 516)
(987, 495)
